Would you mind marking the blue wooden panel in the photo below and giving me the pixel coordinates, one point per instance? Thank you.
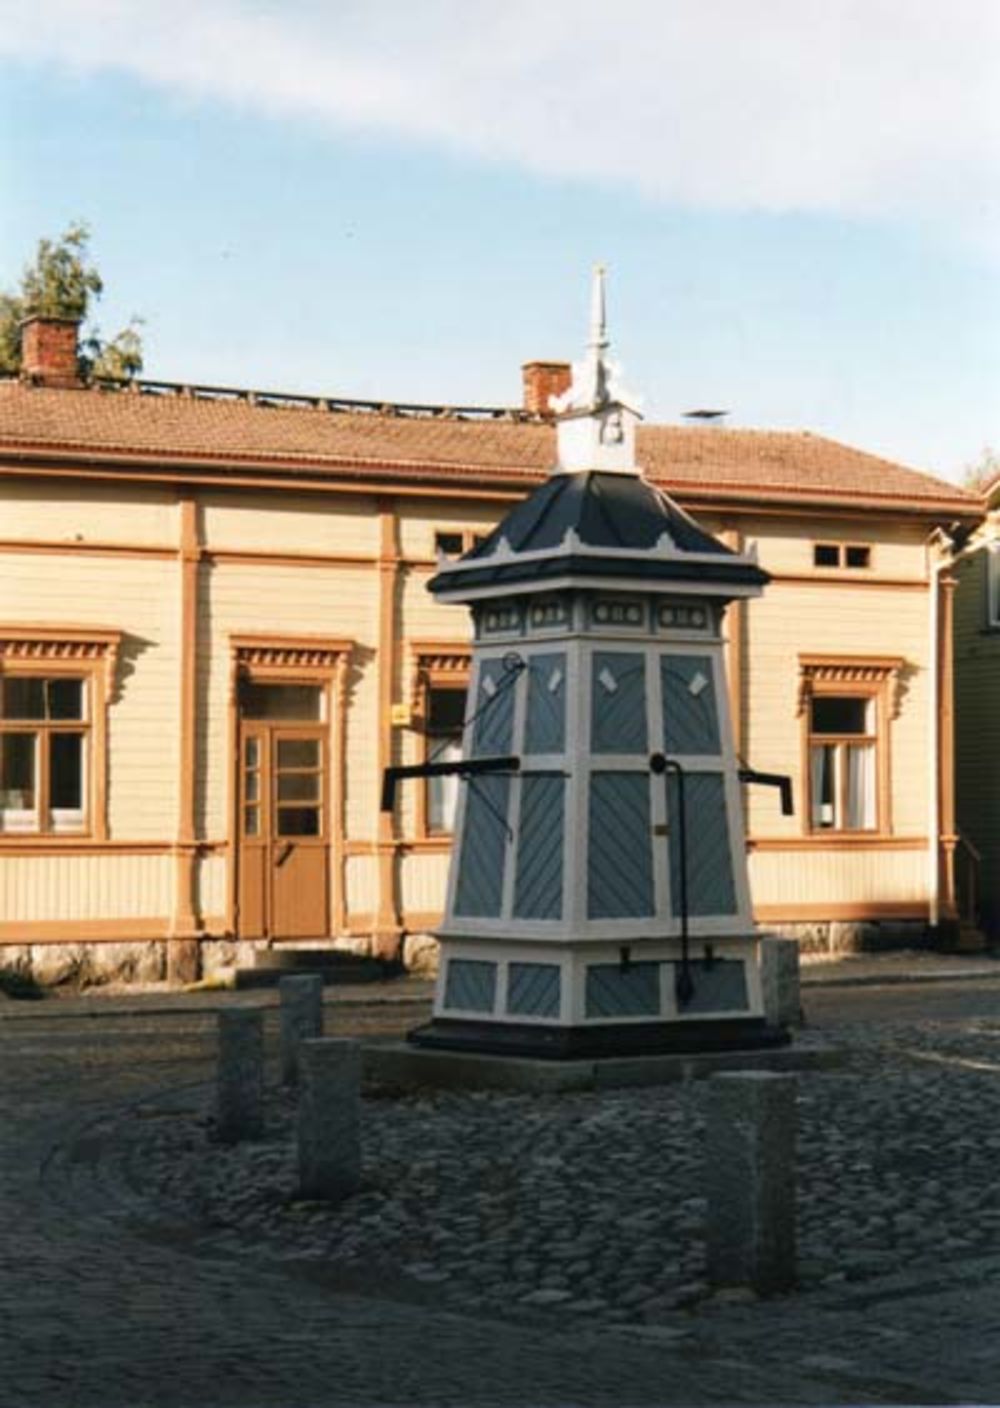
(479, 890)
(690, 712)
(538, 887)
(709, 863)
(614, 991)
(493, 730)
(545, 725)
(533, 989)
(618, 703)
(718, 987)
(471, 985)
(619, 856)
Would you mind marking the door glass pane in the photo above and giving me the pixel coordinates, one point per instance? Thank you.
(65, 698)
(251, 821)
(23, 698)
(251, 787)
(251, 752)
(298, 821)
(66, 770)
(281, 701)
(298, 753)
(298, 787)
(17, 776)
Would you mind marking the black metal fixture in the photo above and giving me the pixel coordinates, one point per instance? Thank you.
(660, 764)
(468, 767)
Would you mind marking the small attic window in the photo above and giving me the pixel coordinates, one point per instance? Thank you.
(851, 555)
(451, 544)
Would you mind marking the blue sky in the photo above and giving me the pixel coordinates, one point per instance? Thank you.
(799, 203)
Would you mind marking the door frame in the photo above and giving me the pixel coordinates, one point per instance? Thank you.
(313, 660)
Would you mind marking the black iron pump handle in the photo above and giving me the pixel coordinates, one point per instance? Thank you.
(468, 767)
(660, 764)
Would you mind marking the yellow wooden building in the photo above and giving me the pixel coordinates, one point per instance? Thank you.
(215, 633)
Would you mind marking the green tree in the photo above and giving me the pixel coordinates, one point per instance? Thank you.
(62, 283)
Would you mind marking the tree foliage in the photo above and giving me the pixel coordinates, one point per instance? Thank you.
(981, 473)
(61, 282)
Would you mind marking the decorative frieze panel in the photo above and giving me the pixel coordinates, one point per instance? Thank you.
(57, 646)
(253, 653)
(870, 673)
(437, 665)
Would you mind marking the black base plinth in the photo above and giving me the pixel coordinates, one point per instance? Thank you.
(603, 1039)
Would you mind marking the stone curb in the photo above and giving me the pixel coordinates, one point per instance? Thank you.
(896, 979)
(77, 1009)
(181, 1004)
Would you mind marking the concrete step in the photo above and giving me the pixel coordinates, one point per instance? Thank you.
(333, 965)
(970, 939)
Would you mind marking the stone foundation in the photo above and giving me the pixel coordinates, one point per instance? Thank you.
(835, 938)
(147, 961)
(85, 965)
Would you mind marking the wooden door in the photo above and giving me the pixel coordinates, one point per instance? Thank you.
(283, 883)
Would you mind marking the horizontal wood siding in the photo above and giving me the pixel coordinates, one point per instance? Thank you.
(424, 882)
(361, 885)
(210, 883)
(897, 552)
(855, 877)
(283, 600)
(290, 523)
(68, 887)
(420, 520)
(140, 597)
(789, 621)
(88, 513)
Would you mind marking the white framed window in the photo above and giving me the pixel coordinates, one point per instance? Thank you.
(444, 719)
(45, 745)
(843, 773)
(440, 685)
(56, 683)
(847, 704)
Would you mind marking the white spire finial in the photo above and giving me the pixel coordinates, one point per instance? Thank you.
(596, 416)
(598, 316)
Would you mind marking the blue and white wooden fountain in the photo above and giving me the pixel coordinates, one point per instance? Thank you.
(598, 898)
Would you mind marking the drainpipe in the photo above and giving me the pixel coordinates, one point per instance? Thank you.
(933, 859)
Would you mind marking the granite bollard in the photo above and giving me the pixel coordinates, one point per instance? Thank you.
(240, 1075)
(329, 1118)
(779, 976)
(301, 1018)
(750, 1180)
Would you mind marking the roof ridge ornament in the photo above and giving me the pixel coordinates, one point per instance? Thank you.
(596, 416)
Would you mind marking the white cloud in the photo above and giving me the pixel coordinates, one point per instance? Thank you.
(858, 107)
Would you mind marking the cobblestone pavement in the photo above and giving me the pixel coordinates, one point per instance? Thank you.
(504, 1249)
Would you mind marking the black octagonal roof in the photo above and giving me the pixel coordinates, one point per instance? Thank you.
(623, 514)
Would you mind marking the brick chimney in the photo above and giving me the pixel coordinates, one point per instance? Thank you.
(48, 351)
(542, 380)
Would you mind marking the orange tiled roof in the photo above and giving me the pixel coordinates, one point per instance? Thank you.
(489, 448)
